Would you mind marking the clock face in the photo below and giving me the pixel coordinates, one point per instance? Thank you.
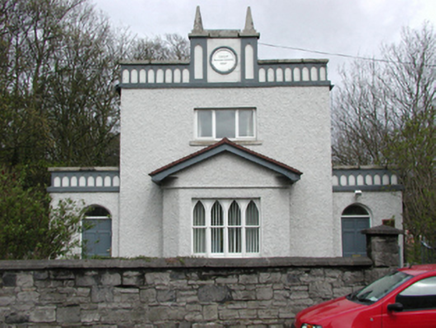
(223, 60)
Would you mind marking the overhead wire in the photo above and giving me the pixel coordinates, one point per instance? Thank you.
(336, 54)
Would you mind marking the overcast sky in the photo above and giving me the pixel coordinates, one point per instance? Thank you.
(350, 27)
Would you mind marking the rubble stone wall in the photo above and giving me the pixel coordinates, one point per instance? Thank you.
(173, 292)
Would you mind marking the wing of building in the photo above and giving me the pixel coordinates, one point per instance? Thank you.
(226, 155)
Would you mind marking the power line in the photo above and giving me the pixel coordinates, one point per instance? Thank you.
(323, 52)
(338, 54)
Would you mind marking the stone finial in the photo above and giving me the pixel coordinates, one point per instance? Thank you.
(198, 23)
(249, 29)
(249, 25)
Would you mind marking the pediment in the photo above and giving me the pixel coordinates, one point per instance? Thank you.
(225, 145)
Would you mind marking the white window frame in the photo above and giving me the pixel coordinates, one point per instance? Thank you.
(225, 205)
(214, 110)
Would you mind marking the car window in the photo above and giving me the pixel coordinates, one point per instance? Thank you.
(379, 288)
(419, 296)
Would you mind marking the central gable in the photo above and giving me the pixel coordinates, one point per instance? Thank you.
(222, 147)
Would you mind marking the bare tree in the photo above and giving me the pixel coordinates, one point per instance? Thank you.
(172, 47)
(384, 114)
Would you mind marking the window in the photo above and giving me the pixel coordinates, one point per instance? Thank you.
(379, 288)
(225, 123)
(419, 296)
(226, 227)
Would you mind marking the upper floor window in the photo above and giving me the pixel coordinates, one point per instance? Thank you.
(225, 123)
(226, 227)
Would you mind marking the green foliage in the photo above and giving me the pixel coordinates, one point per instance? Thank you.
(29, 227)
(413, 150)
(59, 66)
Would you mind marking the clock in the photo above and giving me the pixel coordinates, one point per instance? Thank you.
(223, 60)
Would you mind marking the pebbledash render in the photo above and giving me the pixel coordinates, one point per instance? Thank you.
(226, 155)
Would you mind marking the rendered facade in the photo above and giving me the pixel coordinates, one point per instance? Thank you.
(227, 155)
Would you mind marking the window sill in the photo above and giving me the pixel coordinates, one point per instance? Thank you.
(239, 142)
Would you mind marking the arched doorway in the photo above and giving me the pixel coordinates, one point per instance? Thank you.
(97, 232)
(354, 219)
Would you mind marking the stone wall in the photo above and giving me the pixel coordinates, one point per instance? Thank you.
(180, 292)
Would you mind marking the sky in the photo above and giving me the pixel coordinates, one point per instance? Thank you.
(333, 27)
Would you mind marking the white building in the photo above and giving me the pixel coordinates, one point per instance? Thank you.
(227, 155)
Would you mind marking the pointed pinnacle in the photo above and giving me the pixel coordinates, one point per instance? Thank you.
(198, 23)
(249, 26)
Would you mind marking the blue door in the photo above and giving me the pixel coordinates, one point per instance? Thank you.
(353, 241)
(97, 237)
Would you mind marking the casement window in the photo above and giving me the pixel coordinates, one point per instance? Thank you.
(225, 123)
(226, 227)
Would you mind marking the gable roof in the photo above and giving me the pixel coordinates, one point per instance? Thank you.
(225, 145)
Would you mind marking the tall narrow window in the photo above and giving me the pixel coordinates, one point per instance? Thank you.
(199, 228)
(246, 123)
(217, 229)
(235, 229)
(225, 124)
(204, 126)
(252, 228)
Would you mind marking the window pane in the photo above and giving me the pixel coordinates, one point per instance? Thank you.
(199, 215)
(234, 215)
(217, 242)
(217, 215)
(217, 236)
(225, 123)
(252, 215)
(96, 211)
(421, 295)
(246, 123)
(204, 118)
(252, 240)
(379, 288)
(354, 210)
(200, 240)
(235, 237)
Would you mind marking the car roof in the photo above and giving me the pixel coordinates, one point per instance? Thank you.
(416, 270)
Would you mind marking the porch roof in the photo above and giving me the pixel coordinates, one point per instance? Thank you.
(225, 145)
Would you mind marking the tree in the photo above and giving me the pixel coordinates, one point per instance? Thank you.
(59, 66)
(30, 228)
(172, 47)
(385, 115)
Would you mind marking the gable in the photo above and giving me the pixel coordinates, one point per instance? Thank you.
(226, 146)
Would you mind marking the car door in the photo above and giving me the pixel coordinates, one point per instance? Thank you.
(415, 306)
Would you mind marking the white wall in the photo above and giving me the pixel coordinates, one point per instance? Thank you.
(380, 206)
(227, 176)
(293, 125)
(108, 200)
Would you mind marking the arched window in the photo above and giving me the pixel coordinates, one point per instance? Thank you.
(226, 227)
(199, 228)
(354, 219)
(217, 229)
(252, 229)
(97, 232)
(235, 228)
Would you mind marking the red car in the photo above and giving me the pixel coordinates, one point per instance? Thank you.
(405, 298)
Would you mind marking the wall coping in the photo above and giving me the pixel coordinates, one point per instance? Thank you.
(382, 230)
(169, 263)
